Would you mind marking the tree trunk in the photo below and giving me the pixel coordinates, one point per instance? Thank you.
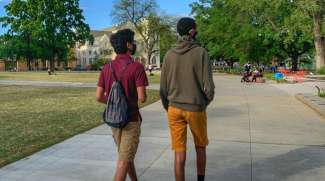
(294, 63)
(29, 63)
(319, 41)
(52, 65)
(149, 58)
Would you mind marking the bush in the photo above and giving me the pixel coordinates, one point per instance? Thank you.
(321, 71)
(98, 64)
(320, 91)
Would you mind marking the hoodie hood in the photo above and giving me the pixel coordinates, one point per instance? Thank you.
(184, 44)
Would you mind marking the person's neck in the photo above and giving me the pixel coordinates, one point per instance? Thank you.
(186, 38)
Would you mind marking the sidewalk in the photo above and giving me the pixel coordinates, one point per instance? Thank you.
(257, 132)
(57, 84)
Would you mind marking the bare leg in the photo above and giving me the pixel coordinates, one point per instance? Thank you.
(132, 172)
(201, 160)
(121, 170)
(179, 165)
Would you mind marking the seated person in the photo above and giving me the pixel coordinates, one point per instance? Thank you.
(256, 74)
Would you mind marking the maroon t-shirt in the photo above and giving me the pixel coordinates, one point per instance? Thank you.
(134, 76)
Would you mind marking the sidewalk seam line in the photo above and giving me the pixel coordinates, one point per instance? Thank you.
(154, 161)
(250, 132)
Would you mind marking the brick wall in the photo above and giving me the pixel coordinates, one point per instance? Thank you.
(2, 66)
(22, 66)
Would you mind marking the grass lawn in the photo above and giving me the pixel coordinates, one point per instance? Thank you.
(84, 77)
(270, 76)
(34, 118)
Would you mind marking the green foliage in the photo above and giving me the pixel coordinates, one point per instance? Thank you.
(256, 31)
(168, 37)
(321, 94)
(45, 28)
(321, 71)
(98, 64)
(320, 91)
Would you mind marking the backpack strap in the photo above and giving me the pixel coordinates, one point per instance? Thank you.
(113, 72)
(123, 71)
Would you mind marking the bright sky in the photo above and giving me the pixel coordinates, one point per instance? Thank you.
(97, 12)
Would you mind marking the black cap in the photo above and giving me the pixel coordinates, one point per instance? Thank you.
(184, 25)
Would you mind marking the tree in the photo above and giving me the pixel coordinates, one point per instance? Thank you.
(157, 32)
(21, 19)
(315, 10)
(250, 30)
(61, 26)
(141, 14)
(168, 37)
(46, 28)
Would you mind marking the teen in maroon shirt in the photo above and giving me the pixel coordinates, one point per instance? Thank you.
(134, 80)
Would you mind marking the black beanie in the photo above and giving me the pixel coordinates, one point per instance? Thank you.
(184, 26)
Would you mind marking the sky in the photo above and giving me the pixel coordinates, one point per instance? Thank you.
(97, 12)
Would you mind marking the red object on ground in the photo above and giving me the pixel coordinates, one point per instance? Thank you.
(299, 76)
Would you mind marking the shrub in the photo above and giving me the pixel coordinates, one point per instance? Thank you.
(320, 91)
(321, 71)
(98, 64)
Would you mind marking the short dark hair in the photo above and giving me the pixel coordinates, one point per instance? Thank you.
(184, 25)
(120, 39)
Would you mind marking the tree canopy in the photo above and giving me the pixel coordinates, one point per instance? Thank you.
(45, 28)
(154, 30)
(256, 31)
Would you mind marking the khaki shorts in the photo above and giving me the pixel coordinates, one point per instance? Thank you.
(179, 119)
(127, 140)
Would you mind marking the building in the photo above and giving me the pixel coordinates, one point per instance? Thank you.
(101, 48)
(87, 53)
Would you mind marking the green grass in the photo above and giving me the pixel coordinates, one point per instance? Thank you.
(83, 77)
(270, 76)
(321, 71)
(34, 118)
(154, 79)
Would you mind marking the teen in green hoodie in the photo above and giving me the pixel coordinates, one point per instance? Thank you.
(186, 89)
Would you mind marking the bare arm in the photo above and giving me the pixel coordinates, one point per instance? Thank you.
(142, 94)
(100, 95)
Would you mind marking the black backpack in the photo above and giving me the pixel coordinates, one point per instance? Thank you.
(116, 113)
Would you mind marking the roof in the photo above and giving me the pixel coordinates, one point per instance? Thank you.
(118, 27)
(100, 33)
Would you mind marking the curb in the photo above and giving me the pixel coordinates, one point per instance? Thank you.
(314, 102)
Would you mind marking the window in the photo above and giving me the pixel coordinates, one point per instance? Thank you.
(89, 52)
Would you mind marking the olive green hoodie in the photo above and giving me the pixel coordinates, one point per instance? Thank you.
(186, 77)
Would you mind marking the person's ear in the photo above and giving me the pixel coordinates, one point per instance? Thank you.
(129, 45)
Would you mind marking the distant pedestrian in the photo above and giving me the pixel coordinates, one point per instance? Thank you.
(186, 90)
(150, 68)
(49, 71)
(133, 80)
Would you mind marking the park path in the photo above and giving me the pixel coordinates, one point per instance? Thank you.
(56, 84)
(257, 132)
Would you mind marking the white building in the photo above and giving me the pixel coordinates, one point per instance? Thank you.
(101, 48)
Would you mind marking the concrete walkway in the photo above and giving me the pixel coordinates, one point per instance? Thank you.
(57, 84)
(257, 132)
